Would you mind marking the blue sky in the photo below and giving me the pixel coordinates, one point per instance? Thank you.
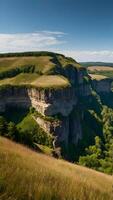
(82, 29)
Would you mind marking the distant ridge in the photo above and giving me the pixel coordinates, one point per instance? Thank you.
(87, 64)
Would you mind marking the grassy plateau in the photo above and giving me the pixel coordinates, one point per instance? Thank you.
(44, 71)
(27, 175)
(101, 70)
(33, 79)
(97, 77)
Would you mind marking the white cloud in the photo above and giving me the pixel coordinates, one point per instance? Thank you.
(103, 56)
(48, 40)
(29, 41)
(54, 32)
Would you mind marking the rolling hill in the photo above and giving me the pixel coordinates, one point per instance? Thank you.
(27, 175)
(36, 69)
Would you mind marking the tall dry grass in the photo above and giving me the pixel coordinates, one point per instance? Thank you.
(26, 175)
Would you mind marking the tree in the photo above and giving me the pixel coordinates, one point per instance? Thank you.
(12, 131)
(3, 126)
(93, 155)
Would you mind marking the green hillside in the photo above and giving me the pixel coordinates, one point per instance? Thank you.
(34, 80)
(38, 69)
(25, 175)
(44, 62)
(99, 68)
(88, 64)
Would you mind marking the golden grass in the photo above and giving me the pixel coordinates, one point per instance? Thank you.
(51, 81)
(45, 81)
(65, 61)
(21, 79)
(26, 175)
(100, 68)
(42, 63)
(97, 77)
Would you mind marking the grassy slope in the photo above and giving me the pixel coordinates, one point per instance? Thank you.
(23, 78)
(65, 61)
(88, 64)
(27, 123)
(26, 175)
(33, 79)
(51, 81)
(100, 68)
(42, 63)
(97, 77)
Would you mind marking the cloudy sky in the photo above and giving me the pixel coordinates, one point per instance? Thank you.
(82, 29)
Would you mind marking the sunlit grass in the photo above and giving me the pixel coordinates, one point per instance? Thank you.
(97, 77)
(42, 63)
(33, 79)
(100, 68)
(26, 175)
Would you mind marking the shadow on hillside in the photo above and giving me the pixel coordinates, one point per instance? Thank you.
(107, 99)
(15, 114)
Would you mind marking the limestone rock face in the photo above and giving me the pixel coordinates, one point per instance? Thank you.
(50, 102)
(66, 130)
(47, 102)
(59, 129)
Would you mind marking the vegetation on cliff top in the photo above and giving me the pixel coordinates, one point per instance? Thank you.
(100, 68)
(101, 71)
(25, 69)
(33, 79)
(97, 77)
(25, 175)
(44, 63)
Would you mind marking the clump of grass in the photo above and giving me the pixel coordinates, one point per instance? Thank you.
(26, 175)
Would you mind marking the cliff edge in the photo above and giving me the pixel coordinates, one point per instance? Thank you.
(53, 85)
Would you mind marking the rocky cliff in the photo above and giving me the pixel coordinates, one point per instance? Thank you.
(57, 101)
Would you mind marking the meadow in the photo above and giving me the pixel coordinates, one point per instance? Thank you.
(33, 79)
(28, 175)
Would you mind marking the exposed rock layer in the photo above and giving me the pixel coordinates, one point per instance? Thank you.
(51, 102)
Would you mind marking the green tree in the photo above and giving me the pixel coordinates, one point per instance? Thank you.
(93, 155)
(12, 131)
(3, 126)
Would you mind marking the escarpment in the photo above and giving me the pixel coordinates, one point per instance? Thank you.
(55, 94)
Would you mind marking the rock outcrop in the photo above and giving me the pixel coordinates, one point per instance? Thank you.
(51, 102)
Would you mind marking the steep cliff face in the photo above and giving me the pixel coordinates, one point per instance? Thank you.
(84, 90)
(59, 129)
(100, 83)
(102, 86)
(51, 102)
(12, 96)
(65, 130)
(47, 102)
